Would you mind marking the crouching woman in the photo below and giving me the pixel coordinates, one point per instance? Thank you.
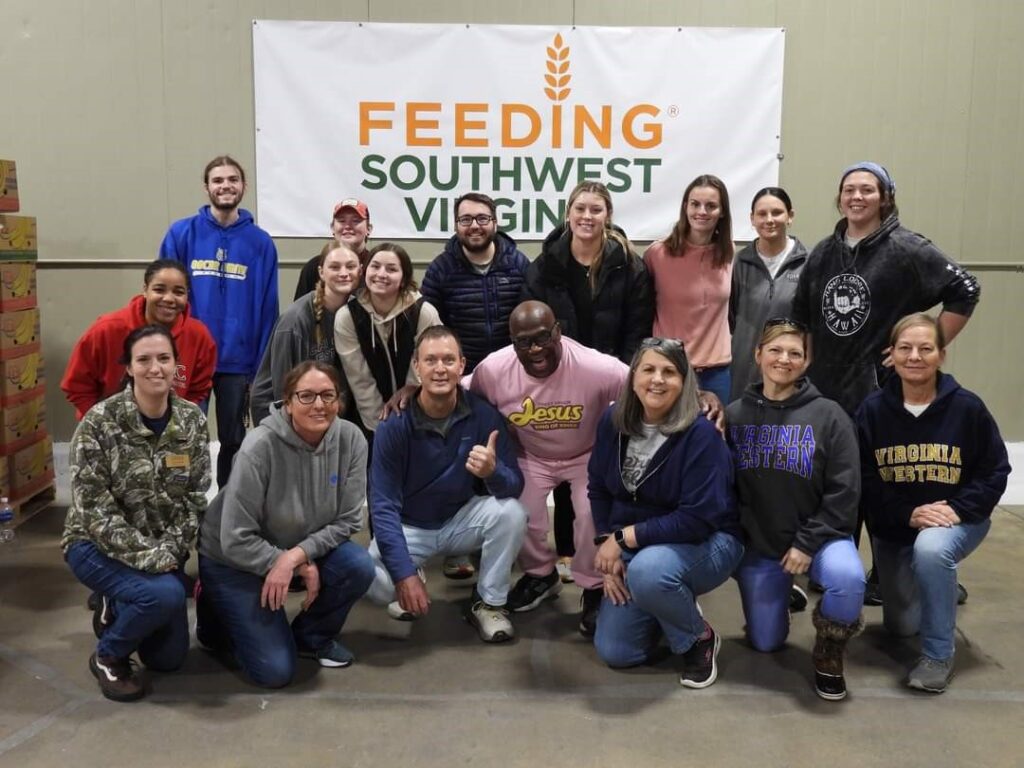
(292, 504)
(660, 487)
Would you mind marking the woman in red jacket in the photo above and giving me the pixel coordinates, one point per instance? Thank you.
(93, 372)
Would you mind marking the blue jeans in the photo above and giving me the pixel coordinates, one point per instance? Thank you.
(231, 391)
(664, 581)
(918, 584)
(229, 616)
(717, 380)
(764, 590)
(149, 608)
(496, 527)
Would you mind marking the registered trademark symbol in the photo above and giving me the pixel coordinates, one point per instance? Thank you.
(673, 111)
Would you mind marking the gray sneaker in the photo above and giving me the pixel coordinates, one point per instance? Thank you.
(491, 622)
(931, 675)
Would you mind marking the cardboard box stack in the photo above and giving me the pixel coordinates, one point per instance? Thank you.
(26, 452)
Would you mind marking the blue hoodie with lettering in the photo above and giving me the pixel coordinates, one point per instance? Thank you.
(233, 275)
(952, 452)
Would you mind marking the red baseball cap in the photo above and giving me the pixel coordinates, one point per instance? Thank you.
(356, 205)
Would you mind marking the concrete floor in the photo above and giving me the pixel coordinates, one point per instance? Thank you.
(431, 694)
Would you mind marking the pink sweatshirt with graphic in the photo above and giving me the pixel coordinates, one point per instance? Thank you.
(555, 417)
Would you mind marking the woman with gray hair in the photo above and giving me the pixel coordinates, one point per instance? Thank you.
(660, 487)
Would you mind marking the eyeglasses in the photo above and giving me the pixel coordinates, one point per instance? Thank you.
(482, 219)
(308, 396)
(542, 339)
(772, 322)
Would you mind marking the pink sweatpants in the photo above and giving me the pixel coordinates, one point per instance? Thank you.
(542, 476)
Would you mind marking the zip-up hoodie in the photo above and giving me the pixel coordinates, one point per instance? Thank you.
(755, 296)
(476, 306)
(94, 373)
(386, 330)
(797, 470)
(283, 493)
(233, 273)
(952, 451)
(419, 476)
(851, 298)
(684, 496)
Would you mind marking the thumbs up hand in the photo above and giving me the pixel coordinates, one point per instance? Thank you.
(483, 459)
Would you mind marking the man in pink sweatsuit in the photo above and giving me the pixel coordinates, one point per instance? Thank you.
(552, 392)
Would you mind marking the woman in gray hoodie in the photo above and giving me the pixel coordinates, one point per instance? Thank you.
(292, 504)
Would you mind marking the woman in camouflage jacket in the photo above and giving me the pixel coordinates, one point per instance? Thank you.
(140, 467)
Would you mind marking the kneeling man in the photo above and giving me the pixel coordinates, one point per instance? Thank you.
(445, 481)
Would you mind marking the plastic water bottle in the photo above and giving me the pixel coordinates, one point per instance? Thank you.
(6, 521)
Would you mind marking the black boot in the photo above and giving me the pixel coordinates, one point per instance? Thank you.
(829, 646)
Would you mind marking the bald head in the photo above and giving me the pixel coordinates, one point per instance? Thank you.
(536, 338)
(530, 314)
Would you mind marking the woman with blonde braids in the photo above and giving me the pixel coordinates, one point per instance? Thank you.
(305, 331)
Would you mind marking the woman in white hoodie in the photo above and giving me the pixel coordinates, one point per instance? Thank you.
(376, 334)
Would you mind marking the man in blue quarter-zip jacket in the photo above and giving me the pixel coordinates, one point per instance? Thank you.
(232, 266)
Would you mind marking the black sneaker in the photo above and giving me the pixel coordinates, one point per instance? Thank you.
(117, 678)
(830, 687)
(590, 604)
(93, 600)
(700, 663)
(102, 615)
(797, 599)
(333, 655)
(872, 589)
(961, 594)
(531, 591)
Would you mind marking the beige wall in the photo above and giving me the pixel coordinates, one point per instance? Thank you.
(111, 108)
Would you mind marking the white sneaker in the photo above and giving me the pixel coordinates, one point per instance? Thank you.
(395, 610)
(492, 623)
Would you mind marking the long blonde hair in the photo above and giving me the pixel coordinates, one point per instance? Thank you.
(599, 189)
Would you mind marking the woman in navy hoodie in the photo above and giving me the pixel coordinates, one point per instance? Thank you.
(797, 487)
(933, 468)
(660, 487)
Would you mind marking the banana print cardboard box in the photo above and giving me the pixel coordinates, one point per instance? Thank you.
(8, 186)
(21, 379)
(17, 285)
(19, 333)
(22, 424)
(31, 468)
(18, 238)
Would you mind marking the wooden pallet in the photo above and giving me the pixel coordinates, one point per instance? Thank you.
(27, 506)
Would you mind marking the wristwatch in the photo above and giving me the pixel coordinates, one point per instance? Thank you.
(620, 539)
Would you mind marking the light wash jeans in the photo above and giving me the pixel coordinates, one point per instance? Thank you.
(765, 587)
(664, 581)
(494, 526)
(918, 584)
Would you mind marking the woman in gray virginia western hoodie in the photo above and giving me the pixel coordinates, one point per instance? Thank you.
(287, 498)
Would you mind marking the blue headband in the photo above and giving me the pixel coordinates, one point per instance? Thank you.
(875, 168)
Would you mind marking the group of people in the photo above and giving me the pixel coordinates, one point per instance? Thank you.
(453, 411)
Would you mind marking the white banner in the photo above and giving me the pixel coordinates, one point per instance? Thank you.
(407, 117)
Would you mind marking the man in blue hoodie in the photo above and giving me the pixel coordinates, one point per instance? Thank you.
(232, 265)
(445, 481)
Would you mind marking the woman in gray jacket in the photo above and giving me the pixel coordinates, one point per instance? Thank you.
(764, 279)
(292, 504)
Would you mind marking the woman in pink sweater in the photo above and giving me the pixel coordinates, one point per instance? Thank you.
(692, 272)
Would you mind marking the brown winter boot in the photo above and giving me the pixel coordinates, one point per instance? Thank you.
(829, 646)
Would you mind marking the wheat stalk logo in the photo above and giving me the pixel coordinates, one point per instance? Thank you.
(558, 76)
